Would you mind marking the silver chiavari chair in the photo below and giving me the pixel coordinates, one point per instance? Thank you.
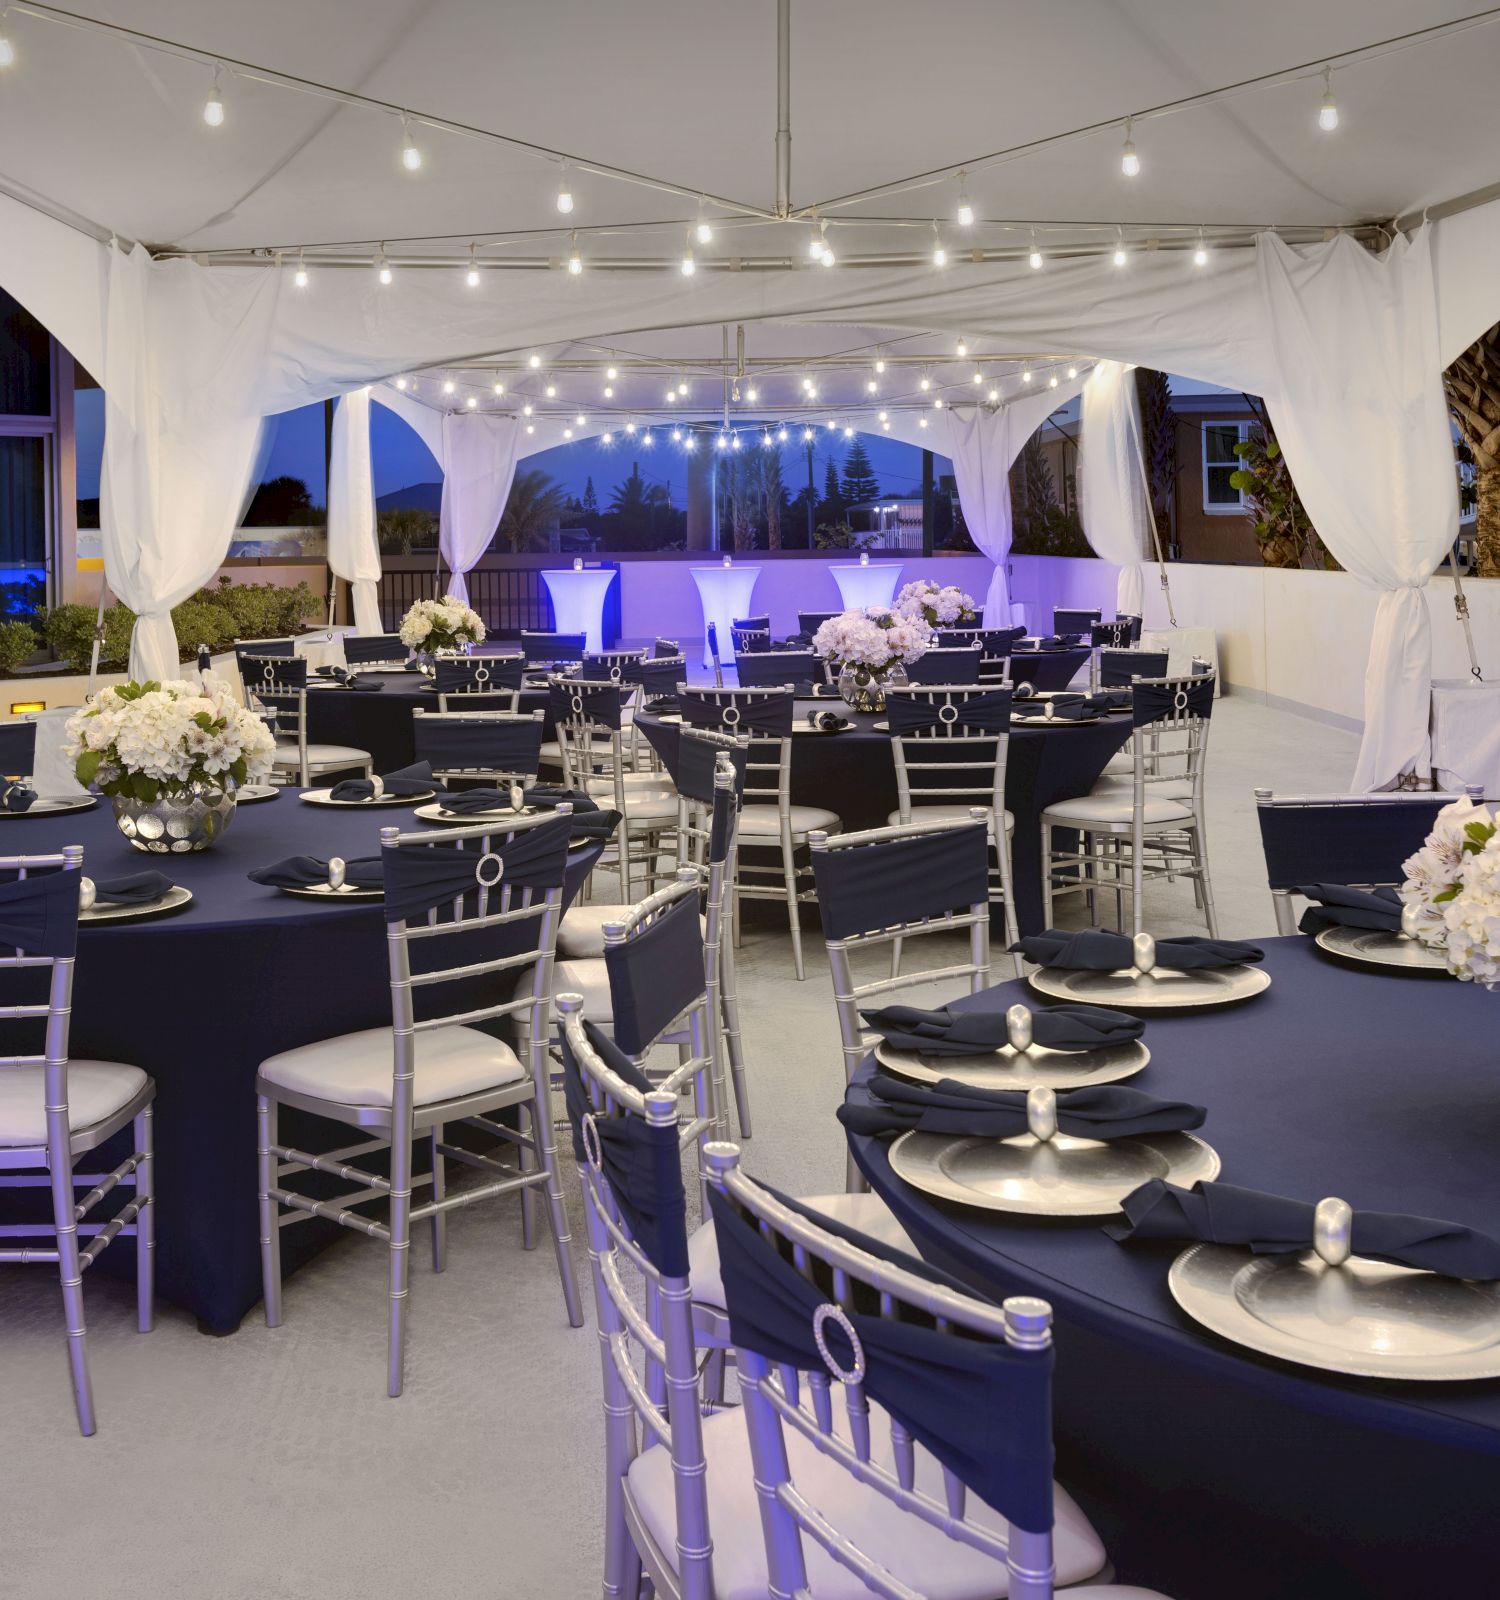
(947, 664)
(653, 680)
(905, 882)
(492, 747)
(661, 648)
(1161, 808)
(552, 649)
(711, 639)
(478, 683)
(1067, 619)
(770, 669)
(279, 685)
(590, 738)
(950, 747)
(54, 1110)
(1107, 636)
(863, 1494)
(808, 622)
(768, 819)
(371, 649)
(615, 665)
(1359, 840)
(491, 897)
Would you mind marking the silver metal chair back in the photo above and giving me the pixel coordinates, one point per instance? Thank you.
(1359, 840)
(492, 746)
(782, 1399)
(749, 641)
(1171, 747)
(1117, 669)
(478, 683)
(650, 1357)
(1067, 619)
(665, 647)
(288, 707)
(614, 665)
(770, 669)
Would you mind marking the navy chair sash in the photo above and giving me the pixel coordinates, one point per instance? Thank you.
(1118, 667)
(752, 624)
(769, 714)
(505, 746)
(771, 669)
(935, 1384)
(284, 671)
(866, 887)
(696, 763)
(553, 646)
(363, 648)
(642, 1164)
(988, 712)
(263, 647)
(39, 914)
(946, 666)
(1111, 635)
(665, 647)
(1065, 620)
(1150, 702)
(418, 878)
(18, 749)
(598, 702)
(478, 674)
(1344, 843)
(726, 803)
(656, 976)
(658, 678)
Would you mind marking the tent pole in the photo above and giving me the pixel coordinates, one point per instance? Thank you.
(1161, 560)
(783, 107)
(93, 684)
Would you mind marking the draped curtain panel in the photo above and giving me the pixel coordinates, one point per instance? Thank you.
(479, 465)
(1111, 480)
(353, 545)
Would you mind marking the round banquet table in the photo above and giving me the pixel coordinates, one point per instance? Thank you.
(201, 996)
(1213, 1473)
(854, 774)
(379, 719)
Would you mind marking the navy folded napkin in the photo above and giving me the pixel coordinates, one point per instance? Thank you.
(1051, 641)
(1096, 950)
(1023, 691)
(17, 797)
(349, 680)
(1101, 1111)
(471, 802)
(411, 666)
(1341, 907)
(827, 721)
(133, 889)
(1112, 699)
(959, 1033)
(1272, 1224)
(1070, 707)
(305, 872)
(415, 779)
(590, 819)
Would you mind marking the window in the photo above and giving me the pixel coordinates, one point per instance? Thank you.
(1220, 463)
(27, 463)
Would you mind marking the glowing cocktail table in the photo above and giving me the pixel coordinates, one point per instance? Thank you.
(724, 593)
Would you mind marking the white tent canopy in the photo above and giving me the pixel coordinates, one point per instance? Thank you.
(1345, 337)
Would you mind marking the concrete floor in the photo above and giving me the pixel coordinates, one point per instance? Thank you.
(272, 1465)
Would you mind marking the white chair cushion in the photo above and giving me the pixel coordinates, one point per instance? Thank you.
(581, 934)
(867, 1213)
(588, 978)
(763, 822)
(1118, 765)
(1114, 807)
(917, 1554)
(323, 755)
(96, 1091)
(551, 751)
(641, 805)
(944, 814)
(355, 1068)
(1161, 789)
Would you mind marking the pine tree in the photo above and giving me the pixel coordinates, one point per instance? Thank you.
(831, 506)
(629, 498)
(860, 482)
(590, 499)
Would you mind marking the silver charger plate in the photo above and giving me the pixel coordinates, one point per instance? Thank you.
(434, 812)
(1055, 722)
(250, 794)
(324, 797)
(1058, 1177)
(322, 891)
(54, 805)
(670, 716)
(172, 900)
(1376, 947)
(1158, 990)
(1365, 1319)
(1019, 1069)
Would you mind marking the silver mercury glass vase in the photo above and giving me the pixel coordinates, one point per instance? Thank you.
(864, 687)
(173, 824)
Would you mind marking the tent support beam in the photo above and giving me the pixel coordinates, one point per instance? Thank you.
(783, 107)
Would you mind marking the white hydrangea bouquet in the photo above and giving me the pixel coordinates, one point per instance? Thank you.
(874, 638)
(143, 741)
(938, 605)
(1452, 892)
(444, 624)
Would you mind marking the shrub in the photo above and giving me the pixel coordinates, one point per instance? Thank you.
(261, 610)
(17, 641)
(70, 634)
(201, 622)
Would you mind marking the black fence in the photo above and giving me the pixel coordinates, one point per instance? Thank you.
(508, 599)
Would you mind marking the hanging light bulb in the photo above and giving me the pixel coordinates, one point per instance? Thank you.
(921, 422)
(497, 388)
(567, 433)
(1026, 376)
(472, 402)
(411, 157)
(886, 426)
(630, 428)
(883, 415)
(815, 244)
(781, 435)
(690, 444)
(527, 409)
(564, 191)
(1052, 381)
(1120, 257)
(580, 420)
(880, 363)
(401, 384)
(807, 385)
(647, 440)
(688, 264)
(7, 49)
(611, 373)
(531, 427)
(939, 254)
(722, 442)
(449, 386)
(575, 261)
(994, 396)
(471, 277)
(734, 441)
(978, 378)
(552, 391)
(213, 107)
(937, 405)
(1072, 372)
(924, 383)
(606, 438)
(1034, 260)
(705, 230)
(1328, 112)
(676, 435)
(871, 386)
(682, 387)
(848, 433)
(752, 394)
(671, 397)
(300, 276)
(1130, 162)
(827, 258)
(807, 436)
(609, 391)
(533, 361)
(765, 440)
(812, 393)
(965, 213)
(383, 267)
(961, 349)
(1200, 255)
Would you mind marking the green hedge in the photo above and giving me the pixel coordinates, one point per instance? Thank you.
(215, 617)
(17, 641)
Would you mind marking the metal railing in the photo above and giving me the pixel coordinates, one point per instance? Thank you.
(508, 599)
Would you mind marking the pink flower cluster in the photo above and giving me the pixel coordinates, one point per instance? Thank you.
(875, 637)
(939, 605)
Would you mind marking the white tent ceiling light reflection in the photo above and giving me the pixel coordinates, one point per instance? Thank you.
(1346, 345)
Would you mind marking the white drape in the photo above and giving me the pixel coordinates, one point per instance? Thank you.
(1111, 480)
(180, 436)
(479, 465)
(353, 548)
(1355, 394)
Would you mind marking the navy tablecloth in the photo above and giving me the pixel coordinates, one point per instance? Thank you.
(1047, 669)
(854, 774)
(379, 720)
(1214, 1474)
(199, 998)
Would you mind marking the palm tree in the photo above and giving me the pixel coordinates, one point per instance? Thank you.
(535, 504)
(771, 478)
(1473, 385)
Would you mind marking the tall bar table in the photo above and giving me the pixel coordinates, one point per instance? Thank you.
(724, 592)
(578, 600)
(866, 583)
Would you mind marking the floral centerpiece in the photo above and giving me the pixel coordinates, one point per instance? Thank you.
(445, 624)
(939, 605)
(1452, 892)
(872, 647)
(171, 757)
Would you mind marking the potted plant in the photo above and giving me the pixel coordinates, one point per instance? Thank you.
(171, 757)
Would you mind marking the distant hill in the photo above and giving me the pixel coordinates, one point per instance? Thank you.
(414, 497)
